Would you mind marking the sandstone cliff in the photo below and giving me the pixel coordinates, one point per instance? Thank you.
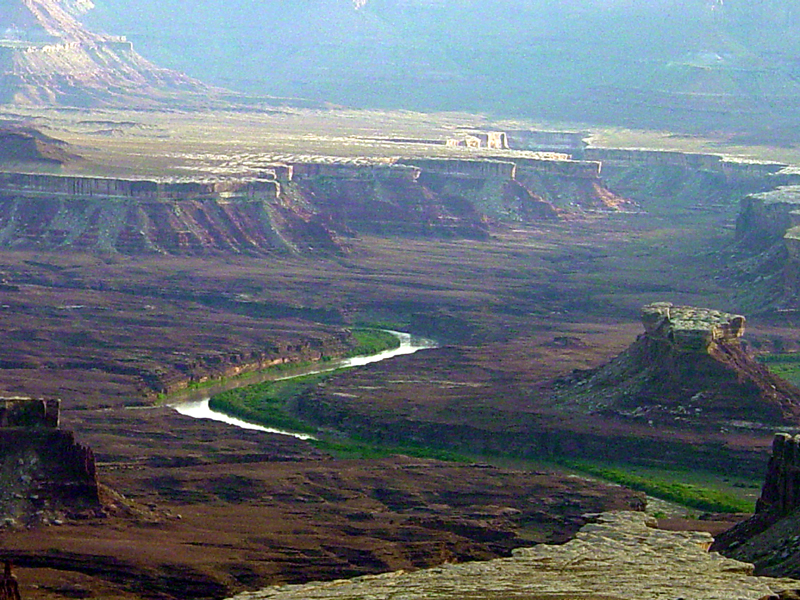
(48, 58)
(45, 475)
(769, 538)
(301, 207)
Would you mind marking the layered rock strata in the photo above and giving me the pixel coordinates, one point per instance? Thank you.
(620, 556)
(48, 58)
(300, 207)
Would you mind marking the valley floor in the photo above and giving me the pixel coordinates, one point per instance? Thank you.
(212, 510)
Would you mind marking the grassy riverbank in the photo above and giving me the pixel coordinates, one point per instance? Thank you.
(267, 403)
(372, 341)
(670, 488)
(367, 341)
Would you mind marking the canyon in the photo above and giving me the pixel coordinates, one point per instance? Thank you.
(529, 267)
(160, 237)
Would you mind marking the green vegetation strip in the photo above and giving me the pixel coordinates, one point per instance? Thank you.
(785, 365)
(372, 341)
(362, 449)
(266, 403)
(681, 493)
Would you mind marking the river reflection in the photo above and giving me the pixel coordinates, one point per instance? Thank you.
(194, 403)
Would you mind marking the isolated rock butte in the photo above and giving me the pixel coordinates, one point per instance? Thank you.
(619, 557)
(687, 369)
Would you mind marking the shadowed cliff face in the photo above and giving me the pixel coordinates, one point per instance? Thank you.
(769, 538)
(45, 474)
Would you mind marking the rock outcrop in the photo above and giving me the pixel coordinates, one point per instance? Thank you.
(768, 236)
(45, 475)
(689, 368)
(769, 538)
(299, 207)
(618, 557)
(19, 144)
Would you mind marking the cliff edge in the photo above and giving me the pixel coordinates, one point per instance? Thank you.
(48, 58)
(620, 556)
(45, 475)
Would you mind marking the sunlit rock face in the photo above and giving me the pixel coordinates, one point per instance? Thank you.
(621, 556)
(689, 327)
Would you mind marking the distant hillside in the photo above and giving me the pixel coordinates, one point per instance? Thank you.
(691, 64)
(48, 58)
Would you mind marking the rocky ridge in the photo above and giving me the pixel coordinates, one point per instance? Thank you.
(297, 207)
(27, 145)
(46, 475)
(618, 557)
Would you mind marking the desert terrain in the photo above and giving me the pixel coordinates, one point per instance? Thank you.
(199, 509)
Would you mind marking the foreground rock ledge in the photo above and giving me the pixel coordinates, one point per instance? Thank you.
(619, 557)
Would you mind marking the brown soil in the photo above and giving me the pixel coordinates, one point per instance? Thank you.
(106, 333)
(211, 509)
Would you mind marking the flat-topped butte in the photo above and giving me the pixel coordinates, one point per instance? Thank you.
(688, 327)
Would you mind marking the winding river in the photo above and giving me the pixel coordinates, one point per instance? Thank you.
(194, 403)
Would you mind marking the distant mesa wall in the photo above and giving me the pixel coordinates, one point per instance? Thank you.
(80, 187)
(377, 171)
(470, 169)
(531, 139)
(731, 169)
(687, 327)
(581, 169)
(767, 217)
